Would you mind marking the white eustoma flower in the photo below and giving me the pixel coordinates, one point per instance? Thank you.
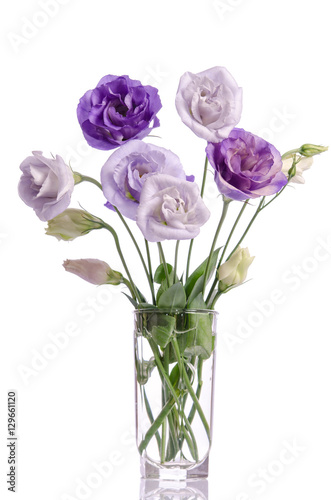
(126, 170)
(209, 103)
(170, 209)
(234, 271)
(301, 166)
(46, 185)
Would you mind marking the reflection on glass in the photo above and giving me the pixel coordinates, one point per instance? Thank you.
(154, 489)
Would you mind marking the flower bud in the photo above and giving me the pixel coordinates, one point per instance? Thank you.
(234, 271)
(312, 149)
(72, 223)
(294, 169)
(94, 271)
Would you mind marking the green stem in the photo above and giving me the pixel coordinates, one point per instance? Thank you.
(173, 445)
(225, 248)
(191, 391)
(272, 199)
(220, 224)
(156, 424)
(163, 261)
(164, 399)
(150, 269)
(290, 153)
(185, 423)
(81, 178)
(205, 170)
(215, 299)
(168, 406)
(136, 295)
(128, 284)
(174, 399)
(176, 259)
(163, 441)
(150, 282)
(151, 418)
(198, 391)
(258, 210)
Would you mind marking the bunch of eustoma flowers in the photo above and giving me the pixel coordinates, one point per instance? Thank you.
(147, 184)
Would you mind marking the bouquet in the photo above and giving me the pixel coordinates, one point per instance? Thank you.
(175, 316)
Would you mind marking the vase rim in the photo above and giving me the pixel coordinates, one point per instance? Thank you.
(175, 311)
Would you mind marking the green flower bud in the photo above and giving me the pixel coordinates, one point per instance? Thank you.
(94, 271)
(72, 223)
(234, 271)
(312, 149)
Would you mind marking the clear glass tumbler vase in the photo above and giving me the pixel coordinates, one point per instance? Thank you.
(175, 365)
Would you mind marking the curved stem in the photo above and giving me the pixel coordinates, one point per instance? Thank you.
(176, 259)
(190, 389)
(156, 424)
(217, 296)
(81, 178)
(225, 248)
(118, 247)
(151, 417)
(150, 282)
(198, 391)
(276, 196)
(201, 194)
(205, 170)
(150, 269)
(163, 261)
(258, 210)
(290, 153)
(226, 203)
(128, 284)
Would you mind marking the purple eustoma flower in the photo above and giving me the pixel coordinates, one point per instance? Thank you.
(126, 170)
(246, 166)
(117, 110)
(170, 209)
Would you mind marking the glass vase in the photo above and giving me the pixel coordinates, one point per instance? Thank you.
(174, 375)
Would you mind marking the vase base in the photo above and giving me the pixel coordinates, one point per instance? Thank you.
(173, 471)
(157, 489)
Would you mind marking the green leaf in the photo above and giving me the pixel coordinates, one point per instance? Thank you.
(133, 302)
(161, 290)
(161, 327)
(159, 274)
(144, 370)
(136, 305)
(200, 335)
(198, 302)
(173, 298)
(196, 291)
(174, 375)
(200, 271)
(145, 305)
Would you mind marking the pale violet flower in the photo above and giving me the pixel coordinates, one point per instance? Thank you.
(46, 185)
(234, 271)
(126, 170)
(94, 271)
(301, 166)
(209, 103)
(170, 209)
(71, 224)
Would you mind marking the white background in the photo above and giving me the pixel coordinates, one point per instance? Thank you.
(273, 387)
